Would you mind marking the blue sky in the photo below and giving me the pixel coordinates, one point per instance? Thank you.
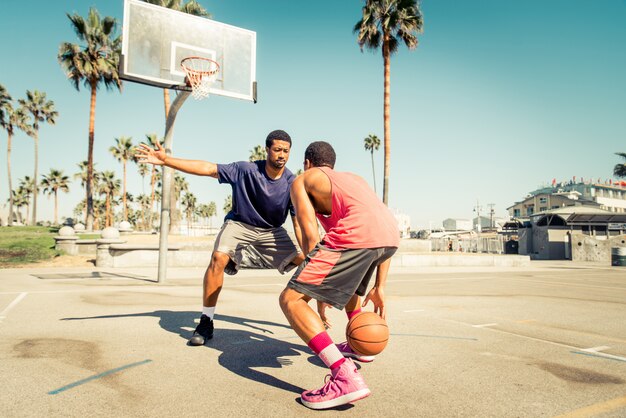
(499, 98)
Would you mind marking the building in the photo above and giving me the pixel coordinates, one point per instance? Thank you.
(404, 223)
(488, 223)
(559, 234)
(609, 197)
(452, 224)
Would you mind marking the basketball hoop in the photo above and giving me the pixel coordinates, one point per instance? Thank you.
(201, 73)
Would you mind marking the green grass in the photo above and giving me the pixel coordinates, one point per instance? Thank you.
(26, 244)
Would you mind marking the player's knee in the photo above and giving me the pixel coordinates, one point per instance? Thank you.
(218, 261)
(285, 299)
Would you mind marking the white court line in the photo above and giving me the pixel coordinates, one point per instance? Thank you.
(596, 349)
(484, 325)
(12, 305)
(539, 340)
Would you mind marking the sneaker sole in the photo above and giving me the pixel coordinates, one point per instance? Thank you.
(342, 400)
(198, 340)
(362, 359)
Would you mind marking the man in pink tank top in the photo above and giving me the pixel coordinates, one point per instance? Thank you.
(361, 236)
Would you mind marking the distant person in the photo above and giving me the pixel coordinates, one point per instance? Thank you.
(361, 236)
(252, 234)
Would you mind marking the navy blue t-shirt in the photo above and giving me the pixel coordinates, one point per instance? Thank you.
(258, 200)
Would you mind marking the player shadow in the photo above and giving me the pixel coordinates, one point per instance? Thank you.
(241, 350)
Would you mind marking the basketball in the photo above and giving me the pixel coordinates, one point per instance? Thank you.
(367, 334)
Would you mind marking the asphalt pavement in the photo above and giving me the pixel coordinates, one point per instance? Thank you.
(544, 340)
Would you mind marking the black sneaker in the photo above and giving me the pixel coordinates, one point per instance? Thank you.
(203, 332)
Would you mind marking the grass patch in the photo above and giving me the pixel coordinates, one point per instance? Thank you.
(88, 236)
(26, 245)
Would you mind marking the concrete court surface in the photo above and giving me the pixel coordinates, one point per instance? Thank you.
(539, 341)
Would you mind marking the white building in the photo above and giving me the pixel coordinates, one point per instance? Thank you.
(404, 223)
(452, 224)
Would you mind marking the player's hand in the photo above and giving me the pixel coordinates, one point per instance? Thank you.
(146, 154)
(321, 310)
(377, 296)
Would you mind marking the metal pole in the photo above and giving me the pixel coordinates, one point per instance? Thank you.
(165, 182)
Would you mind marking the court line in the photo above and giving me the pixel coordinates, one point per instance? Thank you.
(12, 305)
(97, 376)
(596, 409)
(571, 347)
(600, 355)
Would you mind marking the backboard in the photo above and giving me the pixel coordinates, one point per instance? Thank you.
(156, 39)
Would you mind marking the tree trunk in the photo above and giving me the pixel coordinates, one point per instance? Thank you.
(152, 185)
(174, 213)
(35, 189)
(10, 220)
(124, 195)
(373, 171)
(386, 115)
(56, 208)
(106, 211)
(92, 123)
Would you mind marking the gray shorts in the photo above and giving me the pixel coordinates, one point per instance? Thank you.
(256, 248)
(334, 276)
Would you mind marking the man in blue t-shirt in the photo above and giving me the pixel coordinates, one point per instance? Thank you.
(252, 234)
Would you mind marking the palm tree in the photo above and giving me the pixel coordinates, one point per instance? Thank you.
(153, 140)
(20, 198)
(228, 203)
(41, 110)
(11, 119)
(83, 174)
(385, 23)
(95, 62)
(79, 209)
(258, 153)
(143, 171)
(5, 99)
(51, 184)
(371, 144)
(620, 169)
(189, 202)
(122, 153)
(144, 203)
(25, 190)
(211, 212)
(110, 187)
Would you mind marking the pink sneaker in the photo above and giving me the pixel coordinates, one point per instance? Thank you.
(345, 385)
(346, 351)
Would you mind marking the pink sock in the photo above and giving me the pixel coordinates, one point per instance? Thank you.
(353, 313)
(324, 347)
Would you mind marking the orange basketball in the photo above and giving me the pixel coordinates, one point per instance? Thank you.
(367, 334)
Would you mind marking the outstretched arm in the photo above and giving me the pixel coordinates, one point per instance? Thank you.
(146, 154)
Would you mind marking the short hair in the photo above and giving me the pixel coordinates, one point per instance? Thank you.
(320, 154)
(277, 135)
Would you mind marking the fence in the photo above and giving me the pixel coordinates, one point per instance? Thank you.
(491, 244)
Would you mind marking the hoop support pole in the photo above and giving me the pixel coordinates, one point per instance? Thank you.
(166, 182)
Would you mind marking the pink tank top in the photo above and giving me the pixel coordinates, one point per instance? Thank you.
(359, 218)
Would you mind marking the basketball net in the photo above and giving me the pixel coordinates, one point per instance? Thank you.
(201, 73)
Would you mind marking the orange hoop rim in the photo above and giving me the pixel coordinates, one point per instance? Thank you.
(194, 71)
